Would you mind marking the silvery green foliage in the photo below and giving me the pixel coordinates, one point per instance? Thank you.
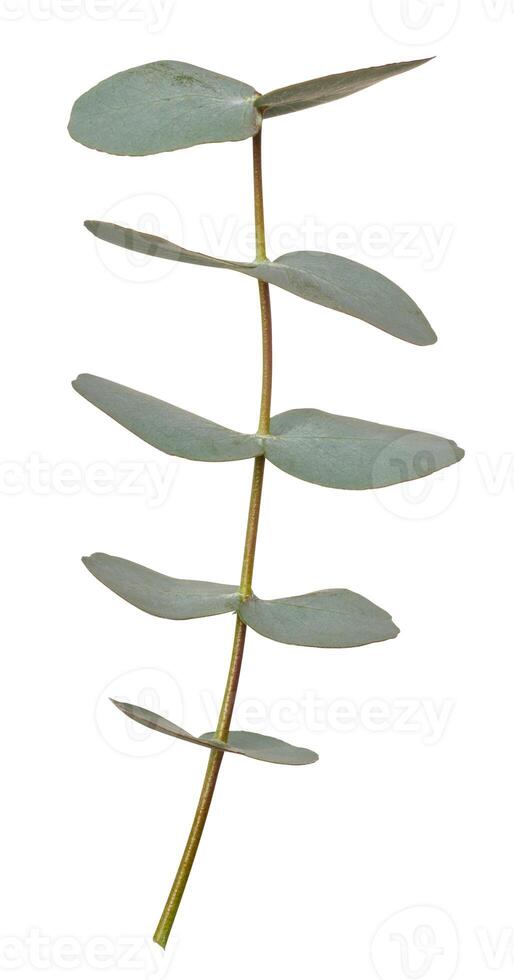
(169, 105)
(253, 746)
(332, 451)
(333, 618)
(166, 106)
(329, 280)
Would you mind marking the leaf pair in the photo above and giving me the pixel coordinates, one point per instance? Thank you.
(249, 744)
(333, 619)
(328, 450)
(169, 105)
(320, 277)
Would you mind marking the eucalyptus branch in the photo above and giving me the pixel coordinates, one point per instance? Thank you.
(167, 106)
(225, 716)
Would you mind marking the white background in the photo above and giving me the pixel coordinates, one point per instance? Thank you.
(407, 818)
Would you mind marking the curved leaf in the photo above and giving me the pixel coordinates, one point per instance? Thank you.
(254, 746)
(264, 748)
(334, 618)
(161, 248)
(165, 105)
(316, 91)
(160, 595)
(352, 454)
(349, 287)
(164, 426)
(320, 277)
(330, 450)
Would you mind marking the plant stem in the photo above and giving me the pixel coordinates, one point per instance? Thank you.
(227, 707)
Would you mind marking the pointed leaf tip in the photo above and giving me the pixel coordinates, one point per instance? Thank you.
(317, 91)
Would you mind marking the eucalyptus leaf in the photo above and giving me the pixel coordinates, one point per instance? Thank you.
(160, 595)
(334, 618)
(165, 105)
(161, 248)
(349, 287)
(264, 748)
(316, 91)
(352, 454)
(164, 426)
(320, 277)
(254, 746)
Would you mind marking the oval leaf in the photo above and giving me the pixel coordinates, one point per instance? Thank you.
(349, 287)
(165, 105)
(316, 91)
(160, 595)
(320, 277)
(351, 454)
(254, 746)
(335, 618)
(164, 426)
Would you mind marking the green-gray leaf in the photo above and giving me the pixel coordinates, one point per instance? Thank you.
(160, 595)
(165, 105)
(333, 618)
(161, 248)
(264, 748)
(349, 287)
(316, 91)
(320, 277)
(164, 426)
(352, 454)
(254, 746)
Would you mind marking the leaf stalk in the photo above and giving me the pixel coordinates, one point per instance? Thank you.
(171, 908)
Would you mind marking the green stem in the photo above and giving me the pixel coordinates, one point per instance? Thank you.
(227, 707)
